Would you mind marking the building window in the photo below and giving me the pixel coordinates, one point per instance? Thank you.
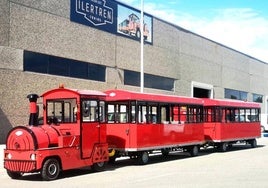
(235, 94)
(150, 81)
(48, 64)
(257, 98)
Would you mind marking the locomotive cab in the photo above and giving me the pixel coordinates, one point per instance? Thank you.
(72, 135)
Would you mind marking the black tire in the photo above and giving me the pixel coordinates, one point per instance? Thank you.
(14, 175)
(194, 150)
(98, 167)
(223, 147)
(50, 170)
(165, 152)
(253, 143)
(143, 157)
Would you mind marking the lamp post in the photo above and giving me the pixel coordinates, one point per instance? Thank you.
(142, 44)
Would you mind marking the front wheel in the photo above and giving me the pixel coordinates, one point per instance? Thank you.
(14, 175)
(50, 170)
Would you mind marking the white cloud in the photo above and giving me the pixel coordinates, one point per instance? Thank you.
(241, 29)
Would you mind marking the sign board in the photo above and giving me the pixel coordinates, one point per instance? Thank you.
(112, 17)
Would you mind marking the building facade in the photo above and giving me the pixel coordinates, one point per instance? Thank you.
(95, 44)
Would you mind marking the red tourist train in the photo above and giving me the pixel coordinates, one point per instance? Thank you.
(83, 128)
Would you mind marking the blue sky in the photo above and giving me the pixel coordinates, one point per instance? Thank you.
(238, 24)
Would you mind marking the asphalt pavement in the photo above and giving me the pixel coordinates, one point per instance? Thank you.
(241, 167)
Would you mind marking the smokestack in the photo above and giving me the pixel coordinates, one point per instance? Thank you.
(33, 119)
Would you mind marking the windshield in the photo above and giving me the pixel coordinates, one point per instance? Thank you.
(61, 111)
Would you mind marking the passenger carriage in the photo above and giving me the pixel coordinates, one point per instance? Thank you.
(140, 123)
(230, 121)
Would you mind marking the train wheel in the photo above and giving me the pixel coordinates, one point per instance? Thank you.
(98, 167)
(194, 151)
(165, 152)
(253, 143)
(143, 157)
(14, 175)
(50, 170)
(223, 147)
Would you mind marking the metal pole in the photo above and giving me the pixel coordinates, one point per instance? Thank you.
(142, 44)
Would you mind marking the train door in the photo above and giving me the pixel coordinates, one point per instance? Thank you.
(118, 128)
(90, 130)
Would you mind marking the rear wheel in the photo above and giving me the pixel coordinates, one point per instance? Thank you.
(143, 157)
(14, 175)
(50, 170)
(98, 167)
(194, 151)
(253, 143)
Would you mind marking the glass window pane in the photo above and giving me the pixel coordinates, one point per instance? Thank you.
(78, 69)
(58, 66)
(257, 98)
(35, 62)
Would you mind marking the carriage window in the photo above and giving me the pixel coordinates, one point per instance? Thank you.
(132, 112)
(90, 111)
(213, 114)
(61, 111)
(194, 114)
(147, 113)
(118, 113)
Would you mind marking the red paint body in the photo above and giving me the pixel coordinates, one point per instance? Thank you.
(138, 136)
(225, 130)
(72, 142)
(80, 125)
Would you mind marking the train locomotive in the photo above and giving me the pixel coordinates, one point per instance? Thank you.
(72, 135)
(82, 128)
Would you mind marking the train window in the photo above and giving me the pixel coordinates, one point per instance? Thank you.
(165, 117)
(183, 114)
(102, 111)
(61, 111)
(90, 111)
(194, 114)
(132, 112)
(118, 113)
(142, 113)
(213, 114)
(147, 112)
